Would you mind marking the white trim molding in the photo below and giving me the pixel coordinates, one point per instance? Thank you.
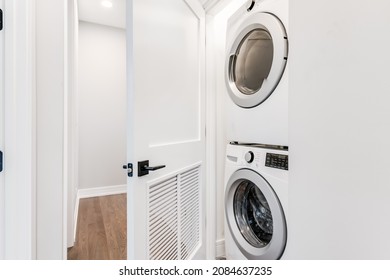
(75, 216)
(211, 140)
(20, 127)
(2, 193)
(70, 120)
(220, 248)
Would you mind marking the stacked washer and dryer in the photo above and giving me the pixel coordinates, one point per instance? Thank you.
(256, 169)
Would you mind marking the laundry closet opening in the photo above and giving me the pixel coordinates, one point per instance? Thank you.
(98, 132)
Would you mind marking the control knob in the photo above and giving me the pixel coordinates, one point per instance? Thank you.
(249, 157)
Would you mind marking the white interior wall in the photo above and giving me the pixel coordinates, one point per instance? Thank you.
(50, 80)
(339, 198)
(221, 131)
(101, 106)
(219, 51)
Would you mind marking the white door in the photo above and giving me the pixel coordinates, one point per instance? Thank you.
(2, 225)
(166, 101)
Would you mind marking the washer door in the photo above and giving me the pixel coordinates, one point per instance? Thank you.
(256, 60)
(255, 216)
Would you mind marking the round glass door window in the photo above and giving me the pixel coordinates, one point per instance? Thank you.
(253, 214)
(253, 61)
(256, 60)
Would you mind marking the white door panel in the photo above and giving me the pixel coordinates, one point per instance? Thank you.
(166, 126)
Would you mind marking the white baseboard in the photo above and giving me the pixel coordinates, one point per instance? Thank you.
(220, 248)
(101, 191)
(95, 192)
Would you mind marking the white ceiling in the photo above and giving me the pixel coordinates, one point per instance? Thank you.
(203, 1)
(93, 11)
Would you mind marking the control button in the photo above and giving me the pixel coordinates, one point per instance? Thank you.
(249, 157)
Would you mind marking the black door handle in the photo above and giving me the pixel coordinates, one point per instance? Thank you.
(144, 168)
(152, 168)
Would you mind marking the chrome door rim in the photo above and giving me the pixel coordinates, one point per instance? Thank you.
(275, 248)
(275, 28)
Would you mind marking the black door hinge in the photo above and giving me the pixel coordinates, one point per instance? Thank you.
(1, 19)
(1, 161)
(129, 168)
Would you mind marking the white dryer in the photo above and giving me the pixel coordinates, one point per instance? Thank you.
(256, 75)
(256, 179)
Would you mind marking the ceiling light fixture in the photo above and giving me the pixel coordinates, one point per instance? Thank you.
(107, 4)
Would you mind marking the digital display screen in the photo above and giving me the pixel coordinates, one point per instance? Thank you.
(277, 161)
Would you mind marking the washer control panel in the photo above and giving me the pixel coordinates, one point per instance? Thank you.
(277, 161)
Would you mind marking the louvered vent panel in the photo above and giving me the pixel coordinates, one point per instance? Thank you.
(174, 216)
(189, 212)
(163, 221)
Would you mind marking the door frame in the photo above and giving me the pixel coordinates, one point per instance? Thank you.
(19, 130)
(70, 126)
(2, 193)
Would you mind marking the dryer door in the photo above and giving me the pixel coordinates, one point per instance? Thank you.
(255, 216)
(256, 59)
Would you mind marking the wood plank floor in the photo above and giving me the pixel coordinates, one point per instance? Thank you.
(101, 229)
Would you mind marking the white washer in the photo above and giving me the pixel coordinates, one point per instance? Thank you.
(256, 179)
(256, 76)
